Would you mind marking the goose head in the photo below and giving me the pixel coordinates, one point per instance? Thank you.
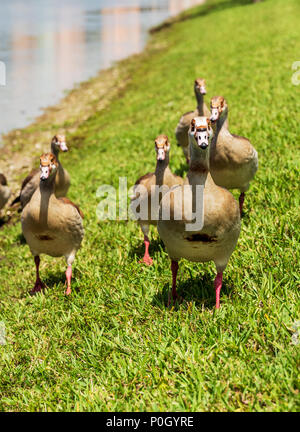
(162, 147)
(48, 166)
(218, 108)
(200, 86)
(59, 143)
(201, 132)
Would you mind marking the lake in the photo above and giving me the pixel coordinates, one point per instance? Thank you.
(47, 46)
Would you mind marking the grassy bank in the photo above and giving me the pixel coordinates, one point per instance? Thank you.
(113, 344)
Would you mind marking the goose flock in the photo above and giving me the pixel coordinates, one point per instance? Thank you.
(197, 217)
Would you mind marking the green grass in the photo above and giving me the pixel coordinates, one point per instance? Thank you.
(113, 344)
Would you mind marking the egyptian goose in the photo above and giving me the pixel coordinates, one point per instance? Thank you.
(214, 234)
(4, 191)
(183, 126)
(51, 225)
(233, 160)
(146, 196)
(62, 180)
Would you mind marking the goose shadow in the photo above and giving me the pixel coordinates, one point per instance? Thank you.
(21, 239)
(2, 222)
(199, 290)
(57, 281)
(58, 277)
(138, 251)
(5, 220)
(245, 217)
(52, 281)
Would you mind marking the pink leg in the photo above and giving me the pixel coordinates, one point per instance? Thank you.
(241, 201)
(147, 259)
(39, 285)
(68, 276)
(218, 286)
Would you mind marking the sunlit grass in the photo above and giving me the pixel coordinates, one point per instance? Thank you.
(113, 344)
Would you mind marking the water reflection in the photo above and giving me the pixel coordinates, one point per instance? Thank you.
(50, 45)
(120, 37)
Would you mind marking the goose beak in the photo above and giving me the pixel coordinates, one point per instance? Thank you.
(63, 146)
(161, 155)
(45, 172)
(202, 139)
(202, 90)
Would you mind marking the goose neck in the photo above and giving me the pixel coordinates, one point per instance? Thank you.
(46, 190)
(200, 103)
(47, 186)
(220, 126)
(55, 151)
(199, 165)
(162, 167)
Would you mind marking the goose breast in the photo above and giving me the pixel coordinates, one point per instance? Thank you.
(56, 232)
(215, 240)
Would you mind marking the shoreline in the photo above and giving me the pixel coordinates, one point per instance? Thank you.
(21, 147)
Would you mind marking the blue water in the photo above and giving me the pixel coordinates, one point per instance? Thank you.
(49, 45)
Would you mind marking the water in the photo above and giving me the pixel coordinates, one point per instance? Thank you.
(49, 45)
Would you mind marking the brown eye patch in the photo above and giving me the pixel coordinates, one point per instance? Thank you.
(162, 140)
(217, 102)
(48, 159)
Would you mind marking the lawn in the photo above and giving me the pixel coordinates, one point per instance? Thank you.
(113, 345)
